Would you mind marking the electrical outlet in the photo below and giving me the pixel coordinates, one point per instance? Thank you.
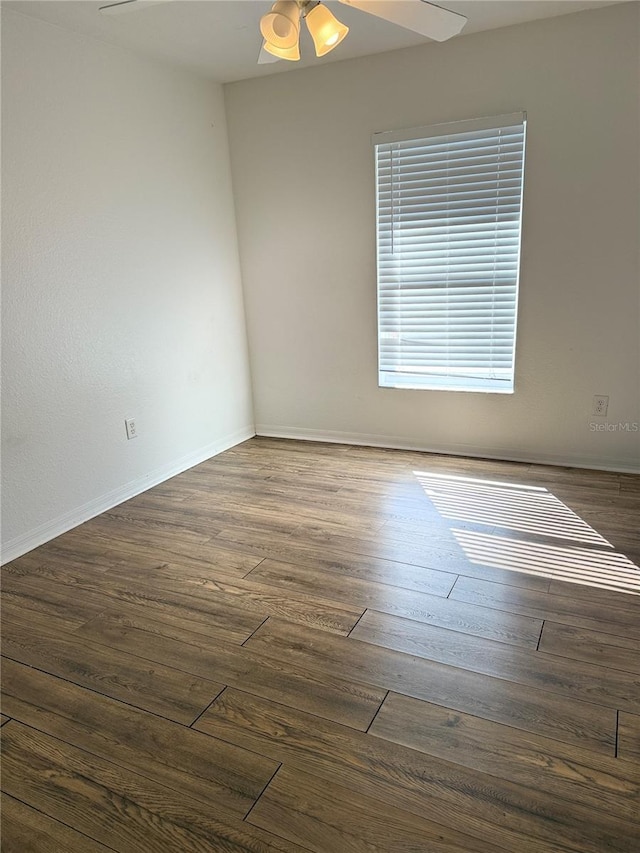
(600, 405)
(130, 426)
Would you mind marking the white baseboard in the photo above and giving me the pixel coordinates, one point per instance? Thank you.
(367, 440)
(57, 526)
(45, 532)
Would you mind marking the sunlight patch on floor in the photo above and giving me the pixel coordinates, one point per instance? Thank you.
(527, 509)
(606, 569)
(576, 552)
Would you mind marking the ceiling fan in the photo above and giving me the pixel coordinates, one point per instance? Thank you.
(280, 27)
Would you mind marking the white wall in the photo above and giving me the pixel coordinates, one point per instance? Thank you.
(121, 285)
(304, 184)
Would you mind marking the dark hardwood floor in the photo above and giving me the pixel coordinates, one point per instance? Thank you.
(308, 647)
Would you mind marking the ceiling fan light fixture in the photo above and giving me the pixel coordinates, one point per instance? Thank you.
(281, 26)
(326, 30)
(291, 53)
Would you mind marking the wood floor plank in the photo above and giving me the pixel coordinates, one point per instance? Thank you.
(86, 553)
(207, 521)
(526, 708)
(574, 679)
(229, 474)
(131, 532)
(482, 525)
(618, 525)
(181, 758)
(326, 695)
(160, 689)
(128, 629)
(93, 595)
(26, 830)
(591, 646)
(475, 554)
(584, 478)
(565, 609)
(315, 500)
(12, 611)
(499, 469)
(103, 801)
(235, 604)
(31, 563)
(121, 544)
(431, 609)
(326, 816)
(370, 569)
(175, 619)
(488, 508)
(607, 598)
(49, 601)
(4, 719)
(503, 813)
(629, 482)
(629, 736)
(286, 549)
(318, 528)
(556, 561)
(443, 559)
(180, 518)
(573, 774)
(320, 610)
(209, 518)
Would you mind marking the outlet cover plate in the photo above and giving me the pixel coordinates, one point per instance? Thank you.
(130, 426)
(600, 406)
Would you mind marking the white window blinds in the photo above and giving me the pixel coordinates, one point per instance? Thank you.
(449, 204)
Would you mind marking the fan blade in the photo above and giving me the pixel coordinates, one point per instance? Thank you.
(116, 8)
(265, 57)
(128, 6)
(417, 15)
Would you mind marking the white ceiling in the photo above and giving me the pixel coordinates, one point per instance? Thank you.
(220, 39)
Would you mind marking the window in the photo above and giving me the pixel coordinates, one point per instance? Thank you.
(449, 201)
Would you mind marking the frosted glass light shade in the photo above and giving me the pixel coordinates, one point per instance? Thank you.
(292, 53)
(326, 30)
(281, 26)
